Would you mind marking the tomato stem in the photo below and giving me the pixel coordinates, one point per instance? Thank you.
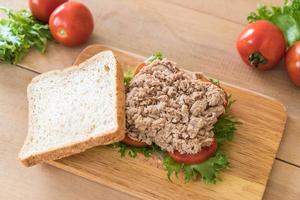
(257, 58)
(62, 32)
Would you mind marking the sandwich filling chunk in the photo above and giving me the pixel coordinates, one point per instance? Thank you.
(172, 108)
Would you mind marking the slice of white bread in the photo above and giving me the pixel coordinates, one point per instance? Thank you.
(75, 109)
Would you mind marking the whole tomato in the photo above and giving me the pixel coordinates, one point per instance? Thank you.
(71, 23)
(292, 63)
(42, 9)
(261, 45)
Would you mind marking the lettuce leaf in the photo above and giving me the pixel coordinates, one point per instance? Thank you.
(226, 125)
(128, 75)
(208, 171)
(19, 32)
(132, 151)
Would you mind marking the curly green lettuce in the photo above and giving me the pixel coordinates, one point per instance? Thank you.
(207, 171)
(19, 32)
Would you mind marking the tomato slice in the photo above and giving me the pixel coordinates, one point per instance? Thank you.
(134, 143)
(197, 158)
(138, 69)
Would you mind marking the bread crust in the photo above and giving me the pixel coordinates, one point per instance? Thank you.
(73, 148)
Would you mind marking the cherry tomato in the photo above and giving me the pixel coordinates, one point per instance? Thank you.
(203, 155)
(42, 9)
(261, 45)
(292, 63)
(134, 143)
(71, 23)
(138, 69)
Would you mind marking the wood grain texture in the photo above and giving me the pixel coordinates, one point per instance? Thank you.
(252, 153)
(233, 10)
(199, 35)
(283, 185)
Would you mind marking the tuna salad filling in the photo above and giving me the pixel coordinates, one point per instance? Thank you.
(171, 108)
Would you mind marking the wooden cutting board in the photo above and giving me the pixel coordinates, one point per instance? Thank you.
(252, 153)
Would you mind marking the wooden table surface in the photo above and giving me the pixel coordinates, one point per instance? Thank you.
(199, 34)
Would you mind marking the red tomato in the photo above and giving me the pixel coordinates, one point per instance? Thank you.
(42, 9)
(138, 69)
(292, 63)
(71, 23)
(134, 143)
(261, 45)
(197, 158)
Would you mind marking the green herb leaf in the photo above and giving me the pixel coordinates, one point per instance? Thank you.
(128, 75)
(210, 169)
(132, 151)
(226, 125)
(189, 173)
(287, 18)
(155, 56)
(19, 32)
(215, 81)
(171, 166)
